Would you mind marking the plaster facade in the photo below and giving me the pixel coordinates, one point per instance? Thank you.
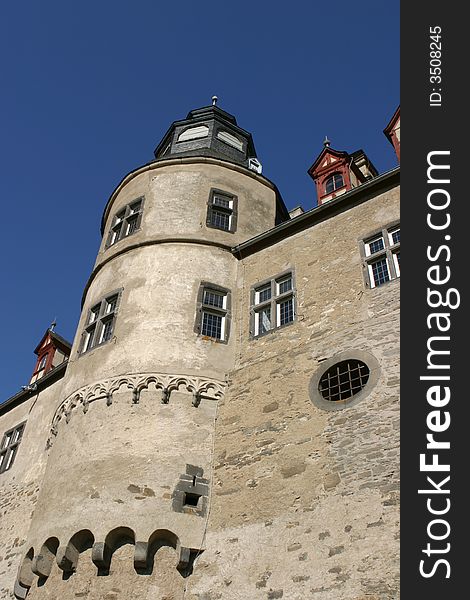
(167, 464)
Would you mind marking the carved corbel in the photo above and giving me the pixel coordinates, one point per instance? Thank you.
(67, 558)
(135, 396)
(20, 591)
(99, 555)
(42, 565)
(197, 397)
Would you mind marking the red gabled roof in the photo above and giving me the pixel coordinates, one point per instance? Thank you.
(56, 340)
(327, 150)
(388, 130)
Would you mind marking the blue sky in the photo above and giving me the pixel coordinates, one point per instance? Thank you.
(89, 89)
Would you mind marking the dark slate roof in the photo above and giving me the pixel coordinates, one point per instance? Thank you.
(60, 341)
(217, 135)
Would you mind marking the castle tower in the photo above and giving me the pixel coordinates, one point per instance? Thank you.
(149, 363)
(226, 424)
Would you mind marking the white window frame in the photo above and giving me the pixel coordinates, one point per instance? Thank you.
(122, 221)
(218, 311)
(99, 315)
(223, 312)
(373, 283)
(230, 211)
(390, 232)
(332, 178)
(396, 263)
(389, 252)
(368, 244)
(276, 298)
(9, 446)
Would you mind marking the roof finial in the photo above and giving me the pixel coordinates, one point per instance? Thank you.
(214, 100)
(53, 325)
(326, 142)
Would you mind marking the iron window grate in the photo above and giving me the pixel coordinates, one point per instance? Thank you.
(343, 380)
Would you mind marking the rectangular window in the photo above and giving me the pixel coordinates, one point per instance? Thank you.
(382, 256)
(126, 222)
(212, 298)
(222, 211)
(379, 272)
(374, 246)
(284, 285)
(213, 313)
(100, 322)
(272, 304)
(286, 311)
(9, 446)
(264, 319)
(220, 220)
(212, 325)
(396, 262)
(394, 236)
(263, 294)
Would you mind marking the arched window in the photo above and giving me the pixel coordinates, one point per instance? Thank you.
(334, 182)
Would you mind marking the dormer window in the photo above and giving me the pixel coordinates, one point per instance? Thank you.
(333, 183)
(230, 140)
(193, 133)
(51, 351)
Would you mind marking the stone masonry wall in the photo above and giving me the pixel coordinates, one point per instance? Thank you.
(304, 502)
(20, 485)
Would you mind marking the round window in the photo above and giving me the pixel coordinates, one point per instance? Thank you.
(344, 379)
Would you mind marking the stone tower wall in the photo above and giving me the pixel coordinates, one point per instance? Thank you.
(134, 429)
